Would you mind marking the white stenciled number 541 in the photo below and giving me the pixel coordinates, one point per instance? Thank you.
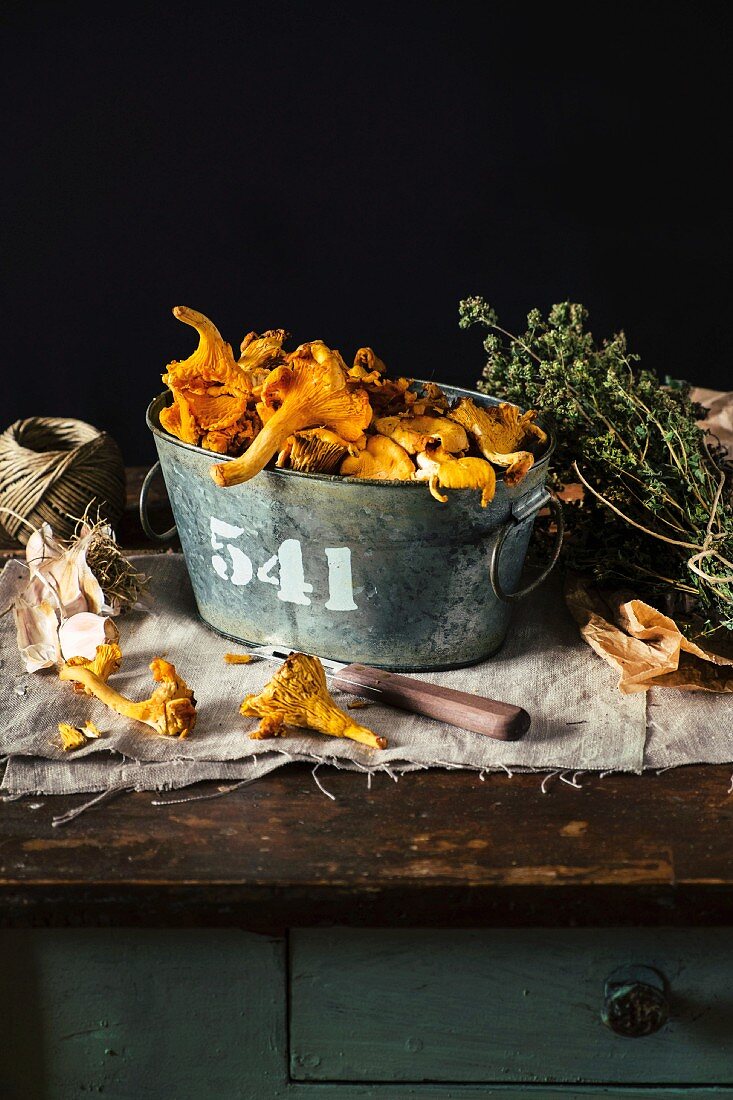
(288, 561)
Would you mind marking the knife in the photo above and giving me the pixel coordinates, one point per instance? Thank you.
(502, 721)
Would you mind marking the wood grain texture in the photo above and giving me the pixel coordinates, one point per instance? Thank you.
(504, 1005)
(490, 717)
(314, 1091)
(403, 1091)
(436, 848)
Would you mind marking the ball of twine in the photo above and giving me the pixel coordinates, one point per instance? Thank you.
(53, 470)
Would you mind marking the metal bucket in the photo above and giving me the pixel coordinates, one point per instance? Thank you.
(351, 569)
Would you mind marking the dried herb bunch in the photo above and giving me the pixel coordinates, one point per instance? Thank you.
(657, 508)
(121, 583)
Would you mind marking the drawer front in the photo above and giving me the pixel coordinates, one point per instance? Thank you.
(505, 1006)
(142, 1014)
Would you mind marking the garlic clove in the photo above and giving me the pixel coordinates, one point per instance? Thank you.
(62, 574)
(89, 586)
(80, 635)
(36, 627)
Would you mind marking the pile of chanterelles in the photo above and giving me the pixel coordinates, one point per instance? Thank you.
(311, 412)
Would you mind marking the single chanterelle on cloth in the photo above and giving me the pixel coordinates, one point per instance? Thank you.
(297, 696)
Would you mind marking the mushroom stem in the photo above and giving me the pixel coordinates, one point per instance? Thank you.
(310, 390)
(268, 442)
(106, 694)
(170, 711)
(364, 735)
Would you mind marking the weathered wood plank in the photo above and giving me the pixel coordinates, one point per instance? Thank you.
(435, 848)
(504, 1005)
(135, 1015)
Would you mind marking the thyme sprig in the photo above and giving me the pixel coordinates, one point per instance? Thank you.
(657, 508)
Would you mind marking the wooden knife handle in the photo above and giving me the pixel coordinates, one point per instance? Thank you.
(458, 708)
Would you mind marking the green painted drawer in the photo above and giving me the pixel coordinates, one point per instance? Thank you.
(504, 1006)
(141, 1014)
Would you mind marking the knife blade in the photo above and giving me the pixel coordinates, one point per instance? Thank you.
(502, 721)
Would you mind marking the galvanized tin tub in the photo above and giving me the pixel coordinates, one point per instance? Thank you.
(351, 569)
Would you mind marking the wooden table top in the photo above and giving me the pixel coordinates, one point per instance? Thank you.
(435, 848)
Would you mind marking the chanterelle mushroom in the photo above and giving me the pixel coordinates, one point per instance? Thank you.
(388, 396)
(212, 363)
(170, 710)
(105, 663)
(213, 401)
(413, 432)
(441, 469)
(262, 353)
(500, 431)
(297, 696)
(76, 737)
(431, 402)
(72, 737)
(310, 390)
(368, 367)
(382, 459)
(315, 450)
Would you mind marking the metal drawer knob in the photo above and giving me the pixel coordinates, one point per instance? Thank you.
(635, 1001)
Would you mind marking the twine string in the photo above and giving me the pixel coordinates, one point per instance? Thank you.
(51, 471)
(708, 549)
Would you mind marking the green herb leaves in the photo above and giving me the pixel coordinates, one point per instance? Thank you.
(657, 506)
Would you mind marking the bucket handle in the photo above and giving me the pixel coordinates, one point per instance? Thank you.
(166, 536)
(512, 524)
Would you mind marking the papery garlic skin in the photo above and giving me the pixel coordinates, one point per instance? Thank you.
(62, 590)
(63, 575)
(36, 627)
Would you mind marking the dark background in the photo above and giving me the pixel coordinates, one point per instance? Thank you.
(349, 172)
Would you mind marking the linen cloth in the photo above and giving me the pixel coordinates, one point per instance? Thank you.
(579, 719)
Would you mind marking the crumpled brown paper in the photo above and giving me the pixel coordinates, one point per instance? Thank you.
(719, 420)
(646, 647)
